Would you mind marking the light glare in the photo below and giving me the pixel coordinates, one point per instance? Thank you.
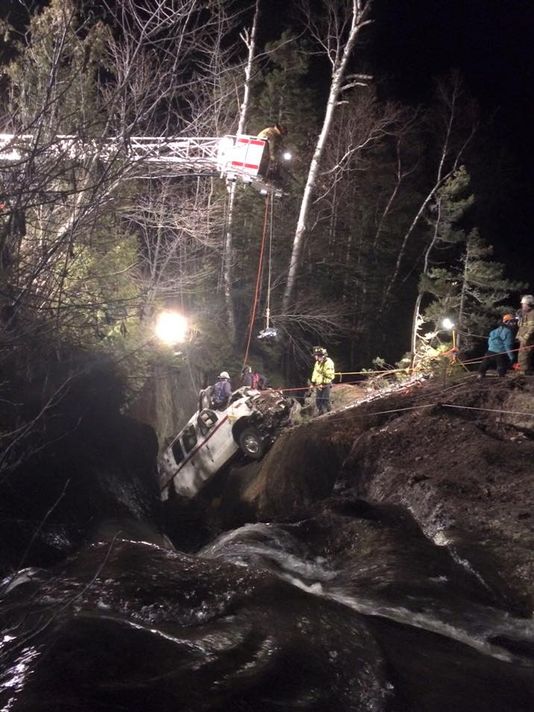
(171, 327)
(447, 324)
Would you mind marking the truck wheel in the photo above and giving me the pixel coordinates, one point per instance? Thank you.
(251, 443)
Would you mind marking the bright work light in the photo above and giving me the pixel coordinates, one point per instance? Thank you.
(447, 324)
(287, 155)
(171, 327)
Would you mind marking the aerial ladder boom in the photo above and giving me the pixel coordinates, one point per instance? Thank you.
(231, 157)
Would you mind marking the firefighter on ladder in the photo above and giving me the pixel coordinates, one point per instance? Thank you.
(270, 161)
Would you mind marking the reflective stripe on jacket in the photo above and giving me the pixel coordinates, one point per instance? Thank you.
(323, 372)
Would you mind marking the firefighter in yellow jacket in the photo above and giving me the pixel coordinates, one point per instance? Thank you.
(525, 335)
(322, 377)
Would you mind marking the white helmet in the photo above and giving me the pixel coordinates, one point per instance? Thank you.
(528, 299)
(224, 374)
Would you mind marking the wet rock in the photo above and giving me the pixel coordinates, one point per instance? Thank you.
(520, 403)
(301, 468)
(93, 464)
(135, 627)
(448, 454)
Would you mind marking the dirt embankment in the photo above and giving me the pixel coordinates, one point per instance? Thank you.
(459, 457)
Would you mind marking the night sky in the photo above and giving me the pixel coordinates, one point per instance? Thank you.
(491, 43)
(412, 42)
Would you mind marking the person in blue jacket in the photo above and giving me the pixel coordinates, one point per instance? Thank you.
(500, 353)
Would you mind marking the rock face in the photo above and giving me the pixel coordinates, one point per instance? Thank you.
(460, 458)
(166, 401)
(345, 603)
(87, 463)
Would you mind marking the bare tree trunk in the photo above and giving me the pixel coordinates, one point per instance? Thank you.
(417, 307)
(400, 175)
(250, 41)
(441, 176)
(463, 293)
(339, 55)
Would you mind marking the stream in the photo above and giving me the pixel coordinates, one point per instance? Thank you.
(352, 609)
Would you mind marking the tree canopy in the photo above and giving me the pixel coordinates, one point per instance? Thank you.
(91, 246)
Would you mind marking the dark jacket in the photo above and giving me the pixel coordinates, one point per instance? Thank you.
(246, 379)
(222, 390)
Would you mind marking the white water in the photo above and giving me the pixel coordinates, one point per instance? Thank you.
(271, 547)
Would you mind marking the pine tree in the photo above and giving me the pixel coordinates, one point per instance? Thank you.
(459, 277)
(446, 211)
(471, 292)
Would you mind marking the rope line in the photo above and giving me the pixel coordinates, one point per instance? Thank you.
(400, 410)
(258, 280)
(450, 353)
(269, 274)
(499, 353)
(424, 405)
(488, 410)
(446, 405)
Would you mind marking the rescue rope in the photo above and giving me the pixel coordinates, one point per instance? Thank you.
(488, 410)
(450, 354)
(372, 373)
(269, 273)
(444, 405)
(499, 353)
(400, 410)
(258, 280)
(447, 405)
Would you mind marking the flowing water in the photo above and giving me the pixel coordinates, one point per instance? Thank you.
(350, 610)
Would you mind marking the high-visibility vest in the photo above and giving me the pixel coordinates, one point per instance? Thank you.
(323, 372)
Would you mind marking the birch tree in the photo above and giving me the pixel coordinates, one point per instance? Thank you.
(249, 39)
(447, 209)
(336, 35)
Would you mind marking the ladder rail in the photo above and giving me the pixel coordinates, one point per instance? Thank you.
(231, 156)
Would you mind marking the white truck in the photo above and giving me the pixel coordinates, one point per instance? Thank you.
(249, 423)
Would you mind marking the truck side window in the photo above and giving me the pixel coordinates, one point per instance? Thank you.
(206, 420)
(189, 437)
(177, 451)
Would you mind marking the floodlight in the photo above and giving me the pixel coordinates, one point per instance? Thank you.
(171, 327)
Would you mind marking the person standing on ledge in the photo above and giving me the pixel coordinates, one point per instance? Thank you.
(525, 335)
(322, 377)
(500, 353)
